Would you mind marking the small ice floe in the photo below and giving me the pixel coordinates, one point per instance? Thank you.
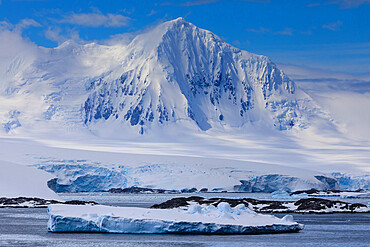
(300, 196)
(280, 194)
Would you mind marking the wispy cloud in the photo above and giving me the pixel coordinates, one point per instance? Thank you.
(97, 20)
(56, 34)
(308, 32)
(334, 26)
(4, 25)
(347, 4)
(20, 26)
(257, 1)
(286, 31)
(239, 43)
(313, 4)
(199, 2)
(344, 4)
(352, 58)
(202, 2)
(259, 30)
(12, 45)
(167, 3)
(152, 12)
(236, 42)
(26, 23)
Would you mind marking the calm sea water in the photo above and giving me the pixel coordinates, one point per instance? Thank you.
(27, 227)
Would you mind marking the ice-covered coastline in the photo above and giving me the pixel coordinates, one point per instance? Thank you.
(72, 176)
(197, 219)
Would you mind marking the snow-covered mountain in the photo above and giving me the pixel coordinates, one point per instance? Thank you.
(174, 73)
(179, 72)
(173, 108)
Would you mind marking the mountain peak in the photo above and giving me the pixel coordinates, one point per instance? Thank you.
(179, 25)
(180, 19)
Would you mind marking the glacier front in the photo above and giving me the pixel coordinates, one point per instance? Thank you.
(197, 219)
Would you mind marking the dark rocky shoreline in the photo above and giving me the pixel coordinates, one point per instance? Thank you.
(34, 202)
(143, 190)
(309, 205)
(306, 205)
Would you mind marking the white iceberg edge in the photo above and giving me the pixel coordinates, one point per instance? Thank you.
(195, 220)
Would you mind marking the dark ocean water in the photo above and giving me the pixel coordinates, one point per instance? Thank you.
(28, 227)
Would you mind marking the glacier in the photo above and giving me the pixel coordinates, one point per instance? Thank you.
(85, 176)
(196, 220)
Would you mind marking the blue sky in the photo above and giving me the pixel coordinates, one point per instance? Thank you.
(329, 34)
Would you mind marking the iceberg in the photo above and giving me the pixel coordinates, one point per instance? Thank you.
(280, 194)
(197, 219)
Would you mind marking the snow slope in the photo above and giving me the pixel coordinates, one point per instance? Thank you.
(78, 169)
(18, 180)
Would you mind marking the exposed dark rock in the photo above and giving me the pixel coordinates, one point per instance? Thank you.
(310, 205)
(355, 206)
(317, 204)
(173, 203)
(78, 202)
(137, 190)
(313, 204)
(184, 201)
(4, 201)
(26, 202)
(308, 192)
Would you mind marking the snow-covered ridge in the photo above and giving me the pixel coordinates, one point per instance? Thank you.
(196, 220)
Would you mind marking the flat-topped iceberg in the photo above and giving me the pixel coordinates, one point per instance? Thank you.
(197, 219)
